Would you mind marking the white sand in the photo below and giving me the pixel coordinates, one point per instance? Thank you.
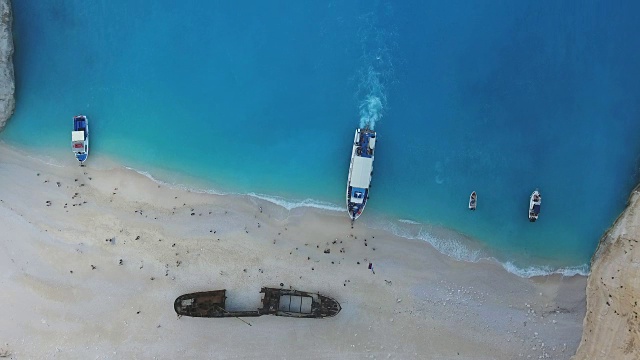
(419, 304)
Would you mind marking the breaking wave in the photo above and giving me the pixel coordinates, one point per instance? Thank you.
(463, 250)
(289, 205)
(449, 243)
(533, 271)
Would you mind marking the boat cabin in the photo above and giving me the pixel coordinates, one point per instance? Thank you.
(77, 141)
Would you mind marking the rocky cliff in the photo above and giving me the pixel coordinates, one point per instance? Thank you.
(611, 325)
(7, 85)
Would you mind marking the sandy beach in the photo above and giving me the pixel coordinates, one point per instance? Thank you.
(92, 259)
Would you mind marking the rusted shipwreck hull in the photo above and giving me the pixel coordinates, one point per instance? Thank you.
(278, 302)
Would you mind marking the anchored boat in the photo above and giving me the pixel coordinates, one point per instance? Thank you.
(473, 201)
(80, 138)
(278, 302)
(534, 205)
(360, 171)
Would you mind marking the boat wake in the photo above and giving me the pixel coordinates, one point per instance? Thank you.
(377, 68)
(371, 108)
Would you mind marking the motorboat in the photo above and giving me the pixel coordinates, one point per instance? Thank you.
(80, 138)
(534, 205)
(473, 201)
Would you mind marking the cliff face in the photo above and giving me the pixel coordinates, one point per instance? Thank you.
(7, 85)
(612, 325)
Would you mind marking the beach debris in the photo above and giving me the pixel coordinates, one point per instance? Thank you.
(5, 352)
(388, 282)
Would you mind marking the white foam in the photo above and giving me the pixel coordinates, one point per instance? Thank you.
(458, 250)
(533, 271)
(289, 205)
(370, 110)
(406, 221)
(280, 201)
(451, 247)
(175, 186)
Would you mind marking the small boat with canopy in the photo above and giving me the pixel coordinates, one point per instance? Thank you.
(80, 138)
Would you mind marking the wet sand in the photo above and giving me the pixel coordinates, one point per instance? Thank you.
(93, 258)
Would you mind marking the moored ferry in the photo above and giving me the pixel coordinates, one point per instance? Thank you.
(80, 138)
(360, 171)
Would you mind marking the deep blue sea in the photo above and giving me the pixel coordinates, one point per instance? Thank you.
(263, 97)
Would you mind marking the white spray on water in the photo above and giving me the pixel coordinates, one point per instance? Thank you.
(376, 70)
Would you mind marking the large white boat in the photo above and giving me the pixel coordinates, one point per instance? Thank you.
(360, 171)
(80, 138)
(534, 205)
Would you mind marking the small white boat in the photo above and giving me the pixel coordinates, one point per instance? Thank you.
(80, 138)
(534, 205)
(360, 171)
(473, 201)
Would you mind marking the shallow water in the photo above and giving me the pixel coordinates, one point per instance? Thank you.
(263, 98)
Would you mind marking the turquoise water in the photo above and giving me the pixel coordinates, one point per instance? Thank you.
(264, 97)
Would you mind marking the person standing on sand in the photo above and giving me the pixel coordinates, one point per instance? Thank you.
(371, 268)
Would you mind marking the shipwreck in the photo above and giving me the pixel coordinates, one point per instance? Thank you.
(278, 302)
